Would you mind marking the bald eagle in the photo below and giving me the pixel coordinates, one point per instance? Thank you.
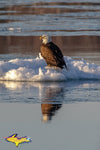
(52, 53)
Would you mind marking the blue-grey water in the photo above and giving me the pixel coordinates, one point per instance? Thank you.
(56, 115)
(56, 17)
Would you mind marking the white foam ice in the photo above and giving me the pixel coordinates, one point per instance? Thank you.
(35, 70)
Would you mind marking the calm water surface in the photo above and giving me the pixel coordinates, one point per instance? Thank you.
(56, 115)
(56, 17)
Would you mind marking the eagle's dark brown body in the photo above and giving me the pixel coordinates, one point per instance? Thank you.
(52, 55)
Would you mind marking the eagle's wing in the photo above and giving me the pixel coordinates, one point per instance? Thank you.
(57, 54)
(55, 50)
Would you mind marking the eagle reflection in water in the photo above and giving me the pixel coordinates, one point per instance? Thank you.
(51, 104)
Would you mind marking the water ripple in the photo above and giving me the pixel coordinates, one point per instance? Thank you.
(55, 18)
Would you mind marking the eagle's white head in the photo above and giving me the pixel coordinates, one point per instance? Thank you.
(45, 39)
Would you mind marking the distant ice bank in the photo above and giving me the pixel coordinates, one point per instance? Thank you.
(35, 70)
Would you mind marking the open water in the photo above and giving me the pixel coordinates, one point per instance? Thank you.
(57, 109)
(56, 17)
